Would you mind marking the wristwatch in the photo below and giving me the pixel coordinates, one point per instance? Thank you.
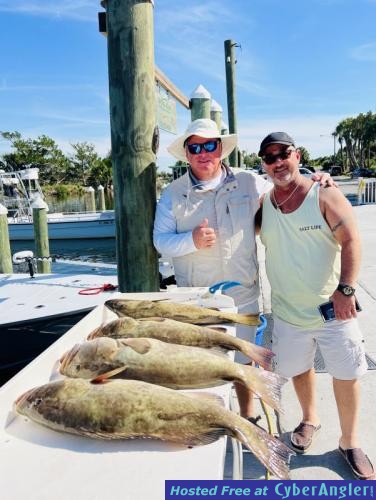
(346, 289)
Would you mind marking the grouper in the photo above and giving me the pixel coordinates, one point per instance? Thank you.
(125, 409)
(187, 313)
(170, 365)
(177, 332)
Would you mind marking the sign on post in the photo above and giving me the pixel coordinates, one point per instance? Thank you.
(166, 112)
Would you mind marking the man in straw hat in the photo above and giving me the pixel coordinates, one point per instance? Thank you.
(205, 222)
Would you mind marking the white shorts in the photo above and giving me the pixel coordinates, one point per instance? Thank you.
(341, 344)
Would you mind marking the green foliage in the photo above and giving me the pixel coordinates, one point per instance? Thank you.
(304, 160)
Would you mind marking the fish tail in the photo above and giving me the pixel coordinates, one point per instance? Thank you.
(260, 355)
(243, 319)
(267, 385)
(270, 451)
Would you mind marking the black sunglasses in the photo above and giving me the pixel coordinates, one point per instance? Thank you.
(208, 146)
(269, 159)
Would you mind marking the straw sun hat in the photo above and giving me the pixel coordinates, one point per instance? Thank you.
(206, 128)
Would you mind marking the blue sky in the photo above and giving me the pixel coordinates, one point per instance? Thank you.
(303, 66)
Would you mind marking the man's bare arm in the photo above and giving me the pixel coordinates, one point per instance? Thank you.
(340, 217)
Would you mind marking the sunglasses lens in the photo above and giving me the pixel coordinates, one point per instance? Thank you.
(269, 159)
(283, 155)
(194, 149)
(210, 146)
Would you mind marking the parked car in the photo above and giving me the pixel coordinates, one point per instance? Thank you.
(335, 170)
(363, 172)
(305, 171)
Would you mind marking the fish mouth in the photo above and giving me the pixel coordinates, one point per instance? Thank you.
(21, 399)
(66, 358)
(111, 304)
(93, 334)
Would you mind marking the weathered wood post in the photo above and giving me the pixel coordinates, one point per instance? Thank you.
(230, 61)
(101, 200)
(90, 199)
(200, 103)
(216, 113)
(5, 253)
(42, 246)
(134, 140)
(224, 128)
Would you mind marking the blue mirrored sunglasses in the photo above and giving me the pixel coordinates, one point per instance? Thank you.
(208, 146)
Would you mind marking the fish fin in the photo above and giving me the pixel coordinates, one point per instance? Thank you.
(141, 346)
(103, 377)
(153, 318)
(242, 319)
(206, 397)
(207, 438)
(265, 384)
(270, 451)
(260, 355)
(221, 329)
(220, 351)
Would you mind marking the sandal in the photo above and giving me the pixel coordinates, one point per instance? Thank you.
(302, 436)
(359, 463)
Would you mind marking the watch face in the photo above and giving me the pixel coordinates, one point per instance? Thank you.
(347, 290)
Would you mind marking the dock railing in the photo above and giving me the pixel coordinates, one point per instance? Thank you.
(366, 191)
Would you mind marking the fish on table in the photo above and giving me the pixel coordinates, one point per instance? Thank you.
(125, 409)
(170, 365)
(177, 332)
(187, 313)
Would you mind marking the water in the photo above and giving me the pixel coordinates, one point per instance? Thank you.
(93, 250)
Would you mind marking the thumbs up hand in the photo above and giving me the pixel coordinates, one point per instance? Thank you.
(203, 235)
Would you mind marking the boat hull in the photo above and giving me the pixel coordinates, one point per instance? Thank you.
(66, 228)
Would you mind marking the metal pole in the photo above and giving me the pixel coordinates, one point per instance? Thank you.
(231, 98)
(134, 140)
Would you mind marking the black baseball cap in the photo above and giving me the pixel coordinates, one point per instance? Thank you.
(276, 138)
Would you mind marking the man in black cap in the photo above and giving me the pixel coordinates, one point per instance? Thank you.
(312, 257)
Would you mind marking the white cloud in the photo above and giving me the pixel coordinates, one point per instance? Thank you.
(80, 10)
(365, 52)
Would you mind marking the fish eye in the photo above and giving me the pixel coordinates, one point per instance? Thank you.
(78, 367)
(37, 402)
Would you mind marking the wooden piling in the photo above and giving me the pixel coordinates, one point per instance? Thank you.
(216, 113)
(134, 141)
(42, 246)
(200, 103)
(101, 199)
(90, 199)
(5, 252)
(230, 61)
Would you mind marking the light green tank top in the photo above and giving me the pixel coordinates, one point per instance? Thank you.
(302, 260)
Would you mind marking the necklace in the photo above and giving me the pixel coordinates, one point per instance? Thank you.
(286, 199)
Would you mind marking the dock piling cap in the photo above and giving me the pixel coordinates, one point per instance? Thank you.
(39, 203)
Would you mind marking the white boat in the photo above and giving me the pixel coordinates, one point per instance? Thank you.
(133, 469)
(20, 188)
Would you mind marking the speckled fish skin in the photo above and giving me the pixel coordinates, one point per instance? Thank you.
(169, 365)
(186, 313)
(125, 409)
(177, 332)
